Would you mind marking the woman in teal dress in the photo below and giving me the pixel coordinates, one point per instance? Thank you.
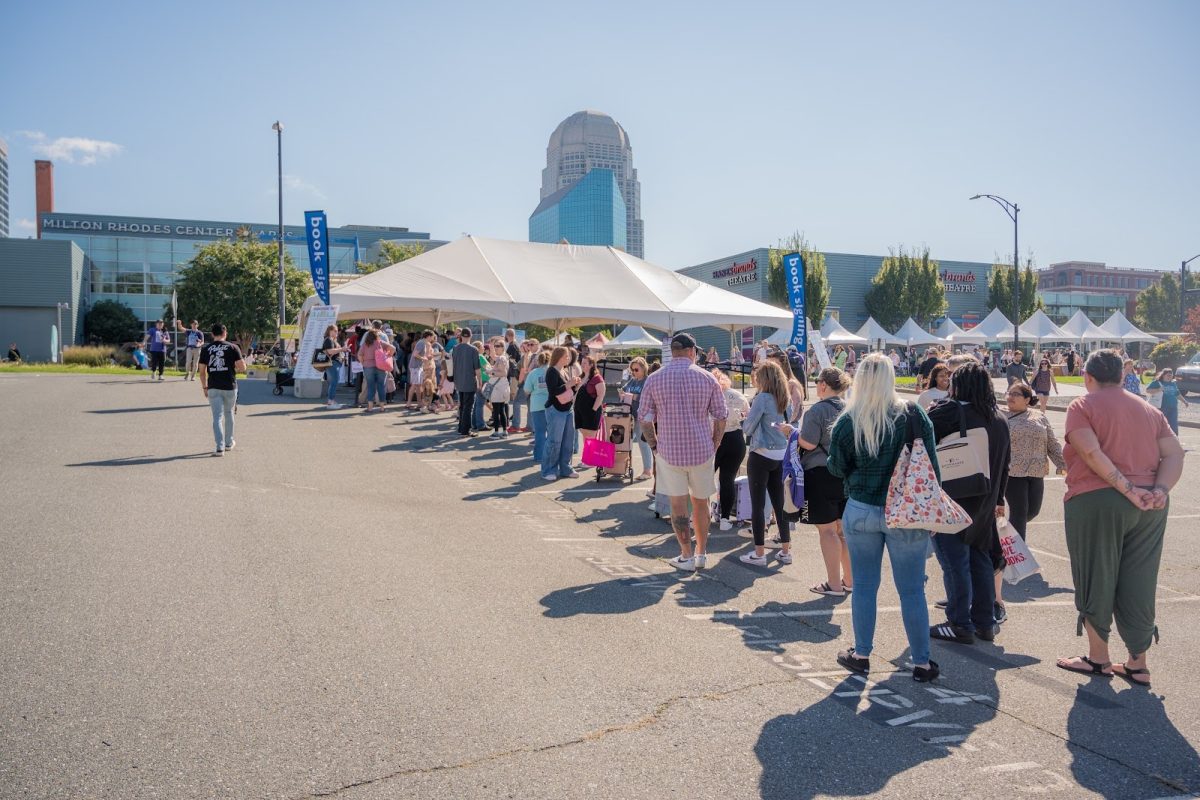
(1164, 387)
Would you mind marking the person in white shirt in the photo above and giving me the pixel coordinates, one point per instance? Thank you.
(939, 386)
(760, 355)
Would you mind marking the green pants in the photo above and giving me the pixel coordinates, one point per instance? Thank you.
(1115, 551)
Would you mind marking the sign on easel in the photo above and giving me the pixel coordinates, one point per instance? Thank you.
(319, 318)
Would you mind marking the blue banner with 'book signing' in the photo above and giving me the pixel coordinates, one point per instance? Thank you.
(793, 273)
(318, 252)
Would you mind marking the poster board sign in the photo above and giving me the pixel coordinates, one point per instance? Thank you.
(818, 346)
(319, 318)
(666, 350)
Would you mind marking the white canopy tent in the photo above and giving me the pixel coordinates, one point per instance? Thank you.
(1120, 329)
(912, 334)
(783, 336)
(876, 334)
(956, 335)
(1083, 330)
(833, 333)
(556, 285)
(995, 327)
(634, 337)
(1039, 328)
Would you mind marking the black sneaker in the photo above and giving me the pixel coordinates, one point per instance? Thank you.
(925, 675)
(988, 634)
(850, 661)
(999, 613)
(951, 633)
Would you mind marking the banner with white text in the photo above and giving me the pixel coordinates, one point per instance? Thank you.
(793, 274)
(319, 318)
(318, 252)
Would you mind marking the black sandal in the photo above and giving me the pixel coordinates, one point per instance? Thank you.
(1128, 672)
(1096, 668)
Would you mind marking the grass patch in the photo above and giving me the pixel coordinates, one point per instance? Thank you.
(79, 369)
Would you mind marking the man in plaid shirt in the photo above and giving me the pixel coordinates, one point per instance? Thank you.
(683, 419)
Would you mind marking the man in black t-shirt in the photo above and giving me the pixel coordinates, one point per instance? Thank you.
(931, 360)
(513, 352)
(220, 362)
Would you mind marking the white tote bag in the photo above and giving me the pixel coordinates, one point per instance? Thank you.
(1019, 563)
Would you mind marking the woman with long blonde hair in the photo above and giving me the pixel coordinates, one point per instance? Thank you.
(764, 467)
(865, 445)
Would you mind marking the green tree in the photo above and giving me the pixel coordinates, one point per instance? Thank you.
(112, 322)
(544, 334)
(1173, 353)
(816, 278)
(1000, 290)
(907, 285)
(390, 253)
(236, 282)
(1158, 305)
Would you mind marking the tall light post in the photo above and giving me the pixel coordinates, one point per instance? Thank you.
(61, 308)
(278, 128)
(1012, 209)
(1184, 291)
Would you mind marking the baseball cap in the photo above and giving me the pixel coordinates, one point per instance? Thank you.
(683, 341)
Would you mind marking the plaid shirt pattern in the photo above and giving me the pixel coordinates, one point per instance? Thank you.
(682, 400)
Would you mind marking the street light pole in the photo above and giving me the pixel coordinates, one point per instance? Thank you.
(278, 128)
(1013, 210)
(1184, 291)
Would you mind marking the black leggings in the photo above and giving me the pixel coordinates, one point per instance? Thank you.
(500, 416)
(729, 459)
(766, 478)
(157, 359)
(1024, 496)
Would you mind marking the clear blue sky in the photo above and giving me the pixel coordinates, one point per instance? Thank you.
(865, 125)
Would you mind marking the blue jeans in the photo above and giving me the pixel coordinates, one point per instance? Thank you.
(222, 401)
(376, 384)
(537, 420)
(477, 414)
(560, 438)
(866, 538)
(643, 447)
(331, 376)
(970, 582)
(518, 400)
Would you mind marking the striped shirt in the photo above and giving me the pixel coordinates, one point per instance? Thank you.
(682, 400)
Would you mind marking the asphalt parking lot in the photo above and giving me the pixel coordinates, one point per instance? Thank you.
(366, 607)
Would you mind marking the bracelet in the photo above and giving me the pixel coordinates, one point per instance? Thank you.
(1158, 487)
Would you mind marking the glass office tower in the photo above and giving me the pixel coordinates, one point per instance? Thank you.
(588, 211)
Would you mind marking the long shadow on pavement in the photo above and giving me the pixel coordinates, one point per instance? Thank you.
(1140, 736)
(135, 461)
(140, 410)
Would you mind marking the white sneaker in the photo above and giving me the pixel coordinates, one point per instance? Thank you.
(784, 558)
(218, 452)
(750, 558)
(686, 564)
(549, 478)
(231, 445)
(700, 560)
(653, 506)
(726, 525)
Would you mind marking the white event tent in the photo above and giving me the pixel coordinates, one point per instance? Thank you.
(556, 285)
(783, 336)
(1120, 329)
(1039, 328)
(1083, 330)
(876, 334)
(634, 337)
(995, 326)
(956, 335)
(912, 334)
(833, 333)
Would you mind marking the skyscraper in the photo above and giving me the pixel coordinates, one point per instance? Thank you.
(588, 211)
(3, 189)
(589, 140)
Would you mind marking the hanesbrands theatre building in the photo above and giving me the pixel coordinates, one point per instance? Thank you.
(849, 279)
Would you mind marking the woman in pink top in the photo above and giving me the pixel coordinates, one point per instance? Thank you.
(1122, 462)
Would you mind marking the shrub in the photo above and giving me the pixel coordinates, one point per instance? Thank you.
(113, 322)
(1174, 352)
(88, 356)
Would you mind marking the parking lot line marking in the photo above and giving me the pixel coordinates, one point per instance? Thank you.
(1017, 767)
(1048, 554)
(569, 539)
(945, 725)
(811, 675)
(439, 460)
(925, 712)
(962, 737)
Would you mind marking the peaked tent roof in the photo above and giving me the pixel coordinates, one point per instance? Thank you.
(557, 285)
(783, 336)
(873, 332)
(956, 335)
(1120, 328)
(832, 332)
(1039, 327)
(911, 334)
(995, 326)
(1083, 329)
(633, 337)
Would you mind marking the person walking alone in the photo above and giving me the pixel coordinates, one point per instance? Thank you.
(865, 445)
(158, 340)
(683, 415)
(466, 380)
(220, 363)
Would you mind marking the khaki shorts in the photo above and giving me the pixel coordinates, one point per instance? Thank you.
(675, 481)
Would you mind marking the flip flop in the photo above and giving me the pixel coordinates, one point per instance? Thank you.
(825, 589)
(1127, 673)
(1095, 668)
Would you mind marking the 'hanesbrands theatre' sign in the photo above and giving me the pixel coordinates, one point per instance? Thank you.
(745, 272)
(959, 282)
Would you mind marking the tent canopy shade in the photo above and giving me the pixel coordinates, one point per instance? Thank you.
(833, 333)
(634, 337)
(1082, 329)
(783, 336)
(995, 326)
(956, 335)
(873, 332)
(912, 334)
(555, 285)
(1120, 329)
(1039, 328)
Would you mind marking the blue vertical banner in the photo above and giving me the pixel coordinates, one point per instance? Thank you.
(318, 252)
(793, 273)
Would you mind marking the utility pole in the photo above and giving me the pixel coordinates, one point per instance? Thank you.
(278, 128)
